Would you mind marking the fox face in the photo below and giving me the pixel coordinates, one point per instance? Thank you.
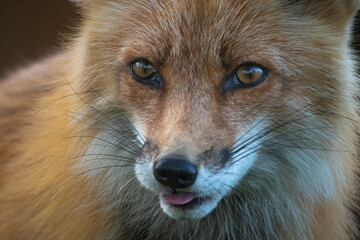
(186, 119)
(227, 101)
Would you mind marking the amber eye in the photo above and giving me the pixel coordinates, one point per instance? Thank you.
(142, 69)
(247, 75)
(144, 72)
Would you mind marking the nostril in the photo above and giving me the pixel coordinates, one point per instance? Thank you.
(175, 173)
(162, 174)
(183, 177)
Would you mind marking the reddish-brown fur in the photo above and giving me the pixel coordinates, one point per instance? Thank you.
(194, 45)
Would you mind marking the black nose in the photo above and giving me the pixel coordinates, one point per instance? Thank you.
(175, 173)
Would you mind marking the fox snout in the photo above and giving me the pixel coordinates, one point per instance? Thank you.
(188, 178)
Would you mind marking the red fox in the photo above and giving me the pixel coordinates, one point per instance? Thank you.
(186, 119)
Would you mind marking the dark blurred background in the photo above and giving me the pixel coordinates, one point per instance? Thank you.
(31, 29)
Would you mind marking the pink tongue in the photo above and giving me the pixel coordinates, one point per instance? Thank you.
(175, 199)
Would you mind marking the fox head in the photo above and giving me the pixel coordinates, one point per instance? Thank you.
(218, 103)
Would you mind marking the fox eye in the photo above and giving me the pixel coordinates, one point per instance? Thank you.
(247, 75)
(144, 72)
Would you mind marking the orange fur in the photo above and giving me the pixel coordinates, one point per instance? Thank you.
(51, 115)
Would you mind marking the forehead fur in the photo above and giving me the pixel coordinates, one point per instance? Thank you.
(321, 9)
(219, 32)
(202, 30)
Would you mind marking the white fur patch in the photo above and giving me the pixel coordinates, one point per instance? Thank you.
(210, 184)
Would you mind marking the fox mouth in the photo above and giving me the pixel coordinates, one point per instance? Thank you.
(184, 200)
(187, 205)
